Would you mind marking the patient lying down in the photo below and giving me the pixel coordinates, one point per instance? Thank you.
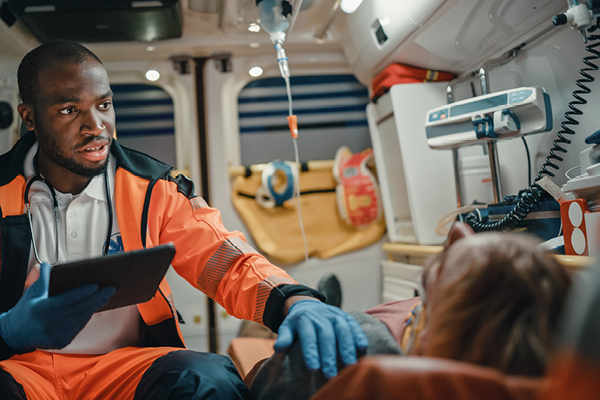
(492, 299)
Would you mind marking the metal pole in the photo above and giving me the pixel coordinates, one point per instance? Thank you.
(449, 94)
(450, 99)
(457, 178)
(484, 80)
(491, 145)
(493, 158)
(213, 334)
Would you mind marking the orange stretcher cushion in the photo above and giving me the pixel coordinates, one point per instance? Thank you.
(416, 378)
(573, 376)
(245, 352)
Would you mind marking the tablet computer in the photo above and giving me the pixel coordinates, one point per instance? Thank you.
(135, 274)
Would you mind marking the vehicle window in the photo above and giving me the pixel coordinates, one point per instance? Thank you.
(330, 110)
(145, 119)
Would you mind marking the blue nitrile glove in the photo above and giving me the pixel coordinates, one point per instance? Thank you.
(40, 321)
(322, 330)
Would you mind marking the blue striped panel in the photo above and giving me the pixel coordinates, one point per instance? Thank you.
(267, 98)
(322, 125)
(333, 107)
(308, 96)
(302, 80)
(302, 111)
(143, 110)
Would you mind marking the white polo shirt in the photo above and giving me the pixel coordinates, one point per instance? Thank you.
(82, 228)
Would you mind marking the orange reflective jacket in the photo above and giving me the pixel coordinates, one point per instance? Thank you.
(153, 208)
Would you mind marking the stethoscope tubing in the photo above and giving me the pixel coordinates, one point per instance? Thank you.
(27, 201)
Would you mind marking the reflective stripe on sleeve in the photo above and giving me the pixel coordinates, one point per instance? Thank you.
(219, 263)
(263, 292)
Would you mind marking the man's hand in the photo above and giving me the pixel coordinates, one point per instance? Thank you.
(322, 330)
(39, 321)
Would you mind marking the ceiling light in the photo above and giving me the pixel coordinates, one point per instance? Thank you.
(255, 71)
(150, 48)
(254, 27)
(152, 75)
(349, 6)
(255, 45)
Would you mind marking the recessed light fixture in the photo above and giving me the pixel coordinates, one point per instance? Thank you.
(152, 75)
(255, 45)
(254, 27)
(255, 71)
(150, 48)
(349, 6)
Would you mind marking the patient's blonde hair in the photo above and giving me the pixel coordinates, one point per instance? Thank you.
(494, 299)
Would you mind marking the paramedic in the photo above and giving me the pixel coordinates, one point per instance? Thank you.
(68, 191)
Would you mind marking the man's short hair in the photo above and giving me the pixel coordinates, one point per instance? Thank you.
(44, 56)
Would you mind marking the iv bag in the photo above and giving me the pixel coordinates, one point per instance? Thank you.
(275, 15)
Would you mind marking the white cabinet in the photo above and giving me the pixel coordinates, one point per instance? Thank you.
(417, 183)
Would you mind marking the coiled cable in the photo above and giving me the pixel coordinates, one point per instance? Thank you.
(529, 198)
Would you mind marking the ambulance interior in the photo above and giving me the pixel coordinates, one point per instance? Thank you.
(198, 84)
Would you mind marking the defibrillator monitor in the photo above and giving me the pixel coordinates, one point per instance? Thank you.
(135, 274)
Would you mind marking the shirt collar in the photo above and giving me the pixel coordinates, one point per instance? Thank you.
(95, 188)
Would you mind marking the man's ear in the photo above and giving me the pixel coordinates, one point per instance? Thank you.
(458, 231)
(26, 113)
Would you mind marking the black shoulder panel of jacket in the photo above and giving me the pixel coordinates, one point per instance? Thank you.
(274, 309)
(139, 163)
(5, 351)
(11, 163)
(184, 185)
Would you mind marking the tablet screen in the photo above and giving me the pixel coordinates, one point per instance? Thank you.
(135, 274)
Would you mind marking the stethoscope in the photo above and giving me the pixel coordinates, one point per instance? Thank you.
(39, 178)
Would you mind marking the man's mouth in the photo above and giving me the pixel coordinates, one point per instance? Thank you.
(96, 151)
(94, 148)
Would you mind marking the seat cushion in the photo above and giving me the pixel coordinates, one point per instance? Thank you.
(247, 351)
(389, 377)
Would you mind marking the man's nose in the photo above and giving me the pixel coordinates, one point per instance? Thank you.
(92, 123)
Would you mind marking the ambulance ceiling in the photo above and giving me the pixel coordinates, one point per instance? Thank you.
(207, 27)
(450, 35)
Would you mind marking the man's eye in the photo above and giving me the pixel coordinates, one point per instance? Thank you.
(67, 110)
(105, 106)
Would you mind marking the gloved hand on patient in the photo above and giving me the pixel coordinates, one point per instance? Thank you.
(322, 331)
(40, 321)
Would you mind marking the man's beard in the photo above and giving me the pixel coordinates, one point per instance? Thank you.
(72, 166)
(51, 150)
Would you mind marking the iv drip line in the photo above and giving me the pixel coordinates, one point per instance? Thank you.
(293, 127)
(300, 222)
(282, 61)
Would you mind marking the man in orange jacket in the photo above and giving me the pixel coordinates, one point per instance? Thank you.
(67, 191)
